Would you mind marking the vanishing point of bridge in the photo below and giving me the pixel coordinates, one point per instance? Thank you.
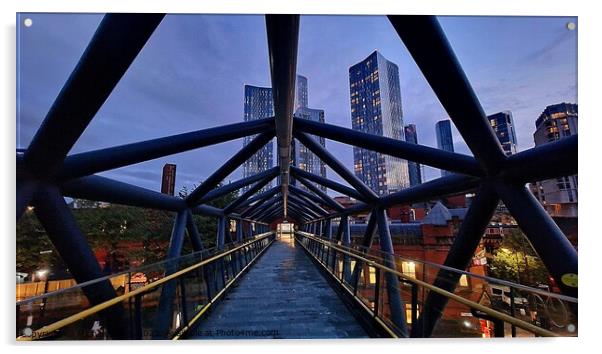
(308, 280)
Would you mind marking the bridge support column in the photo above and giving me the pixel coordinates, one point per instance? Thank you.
(396, 305)
(239, 236)
(164, 315)
(465, 244)
(74, 250)
(347, 243)
(193, 233)
(551, 245)
(366, 244)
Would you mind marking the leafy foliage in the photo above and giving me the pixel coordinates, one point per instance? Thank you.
(106, 228)
(515, 260)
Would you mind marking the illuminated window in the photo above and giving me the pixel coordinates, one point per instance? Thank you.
(463, 280)
(409, 313)
(408, 269)
(372, 275)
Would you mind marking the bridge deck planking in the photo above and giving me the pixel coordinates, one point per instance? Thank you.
(282, 296)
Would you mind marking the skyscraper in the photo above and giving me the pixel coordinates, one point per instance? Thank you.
(376, 109)
(302, 157)
(558, 195)
(259, 104)
(503, 125)
(301, 96)
(168, 180)
(413, 167)
(444, 139)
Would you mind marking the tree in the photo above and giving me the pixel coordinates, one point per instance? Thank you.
(516, 261)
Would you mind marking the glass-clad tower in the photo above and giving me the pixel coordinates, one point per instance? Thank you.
(413, 167)
(503, 125)
(302, 157)
(376, 109)
(259, 104)
(558, 195)
(444, 138)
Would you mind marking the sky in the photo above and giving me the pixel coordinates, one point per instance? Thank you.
(191, 73)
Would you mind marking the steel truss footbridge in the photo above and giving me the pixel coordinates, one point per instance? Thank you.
(190, 290)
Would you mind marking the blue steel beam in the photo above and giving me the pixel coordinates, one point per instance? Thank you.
(302, 205)
(366, 245)
(222, 229)
(163, 316)
(551, 245)
(551, 160)
(193, 232)
(260, 205)
(266, 208)
(425, 155)
(114, 46)
(297, 172)
(236, 185)
(459, 256)
(70, 243)
(246, 195)
(90, 162)
(233, 163)
(398, 313)
(309, 204)
(426, 42)
(302, 192)
(326, 199)
(336, 165)
(263, 203)
(111, 191)
(283, 37)
(303, 212)
(443, 186)
(260, 196)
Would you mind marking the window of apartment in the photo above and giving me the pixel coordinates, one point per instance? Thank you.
(464, 280)
(408, 269)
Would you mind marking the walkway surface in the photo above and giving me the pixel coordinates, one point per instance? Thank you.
(283, 295)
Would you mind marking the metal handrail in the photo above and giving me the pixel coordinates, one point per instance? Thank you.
(493, 313)
(102, 306)
(360, 248)
(132, 270)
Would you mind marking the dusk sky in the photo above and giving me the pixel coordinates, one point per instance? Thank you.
(191, 73)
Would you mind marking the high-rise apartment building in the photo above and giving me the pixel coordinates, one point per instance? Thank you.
(376, 109)
(414, 168)
(503, 125)
(259, 104)
(444, 138)
(558, 195)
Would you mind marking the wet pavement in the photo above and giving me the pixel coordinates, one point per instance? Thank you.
(283, 295)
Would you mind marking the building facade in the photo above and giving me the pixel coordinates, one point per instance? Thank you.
(302, 157)
(444, 139)
(168, 180)
(503, 125)
(414, 168)
(558, 195)
(259, 104)
(376, 109)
